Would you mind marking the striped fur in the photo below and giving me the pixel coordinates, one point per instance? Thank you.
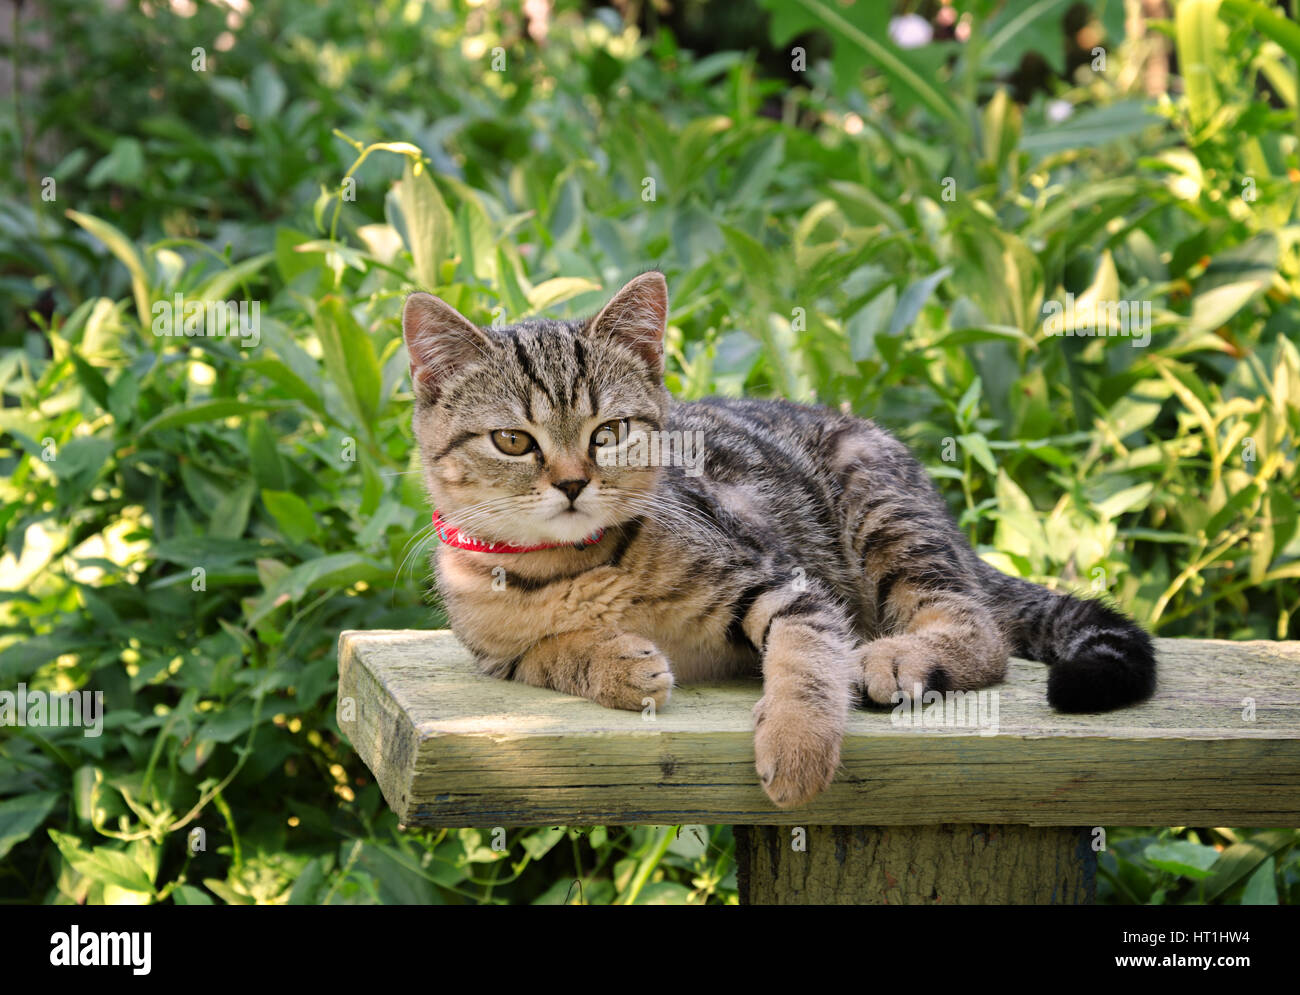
(811, 548)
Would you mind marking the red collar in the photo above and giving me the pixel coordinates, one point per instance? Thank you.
(454, 537)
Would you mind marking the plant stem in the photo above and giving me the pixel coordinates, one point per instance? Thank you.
(648, 863)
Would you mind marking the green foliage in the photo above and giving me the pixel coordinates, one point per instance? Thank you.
(1199, 866)
(189, 523)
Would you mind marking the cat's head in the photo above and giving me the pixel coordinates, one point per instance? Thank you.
(510, 421)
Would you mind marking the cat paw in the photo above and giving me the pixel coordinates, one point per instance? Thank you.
(900, 663)
(632, 672)
(796, 750)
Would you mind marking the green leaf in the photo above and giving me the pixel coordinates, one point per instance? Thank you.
(268, 468)
(511, 270)
(20, 817)
(1091, 128)
(1238, 861)
(226, 893)
(914, 298)
(102, 864)
(690, 841)
(868, 322)
(392, 874)
(969, 404)
(757, 168)
(1182, 857)
(1019, 529)
(1233, 278)
(1078, 201)
(984, 333)
(307, 889)
(1026, 27)
(227, 725)
(120, 246)
(85, 791)
(865, 206)
(289, 381)
(1244, 498)
(123, 165)
(755, 259)
(663, 893)
(426, 221)
(350, 360)
(80, 460)
(91, 379)
(187, 894)
(1090, 307)
(353, 258)
(336, 570)
(978, 446)
(266, 94)
(220, 285)
(122, 398)
(288, 260)
(1003, 123)
(551, 292)
(692, 150)
(565, 222)
(230, 517)
(1261, 889)
(538, 844)
(1198, 34)
(1269, 23)
(292, 514)
(1129, 499)
(189, 414)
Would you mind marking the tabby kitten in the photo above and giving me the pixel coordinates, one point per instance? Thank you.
(801, 542)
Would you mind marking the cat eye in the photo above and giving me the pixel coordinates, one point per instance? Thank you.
(608, 433)
(513, 442)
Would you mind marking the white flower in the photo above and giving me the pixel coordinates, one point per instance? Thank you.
(1058, 110)
(910, 31)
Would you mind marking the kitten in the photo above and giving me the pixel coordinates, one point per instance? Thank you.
(801, 542)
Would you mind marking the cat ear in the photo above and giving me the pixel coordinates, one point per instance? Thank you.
(439, 340)
(636, 317)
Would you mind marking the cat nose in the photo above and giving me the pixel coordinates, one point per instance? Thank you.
(572, 487)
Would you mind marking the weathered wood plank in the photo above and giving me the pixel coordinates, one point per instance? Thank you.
(1218, 745)
(915, 865)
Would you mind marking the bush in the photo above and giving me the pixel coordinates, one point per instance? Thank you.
(189, 524)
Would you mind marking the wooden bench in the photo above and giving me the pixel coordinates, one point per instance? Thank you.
(922, 814)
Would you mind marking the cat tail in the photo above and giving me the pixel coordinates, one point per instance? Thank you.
(1099, 657)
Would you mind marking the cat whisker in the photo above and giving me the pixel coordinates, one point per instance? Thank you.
(417, 544)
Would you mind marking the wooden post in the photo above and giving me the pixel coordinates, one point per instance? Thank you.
(918, 813)
(915, 865)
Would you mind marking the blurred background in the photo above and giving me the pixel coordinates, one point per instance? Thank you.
(925, 212)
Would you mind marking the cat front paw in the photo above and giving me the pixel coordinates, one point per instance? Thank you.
(900, 663)
(630, 672)
(796, 750)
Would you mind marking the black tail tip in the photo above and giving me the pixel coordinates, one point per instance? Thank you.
(1103, 677)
